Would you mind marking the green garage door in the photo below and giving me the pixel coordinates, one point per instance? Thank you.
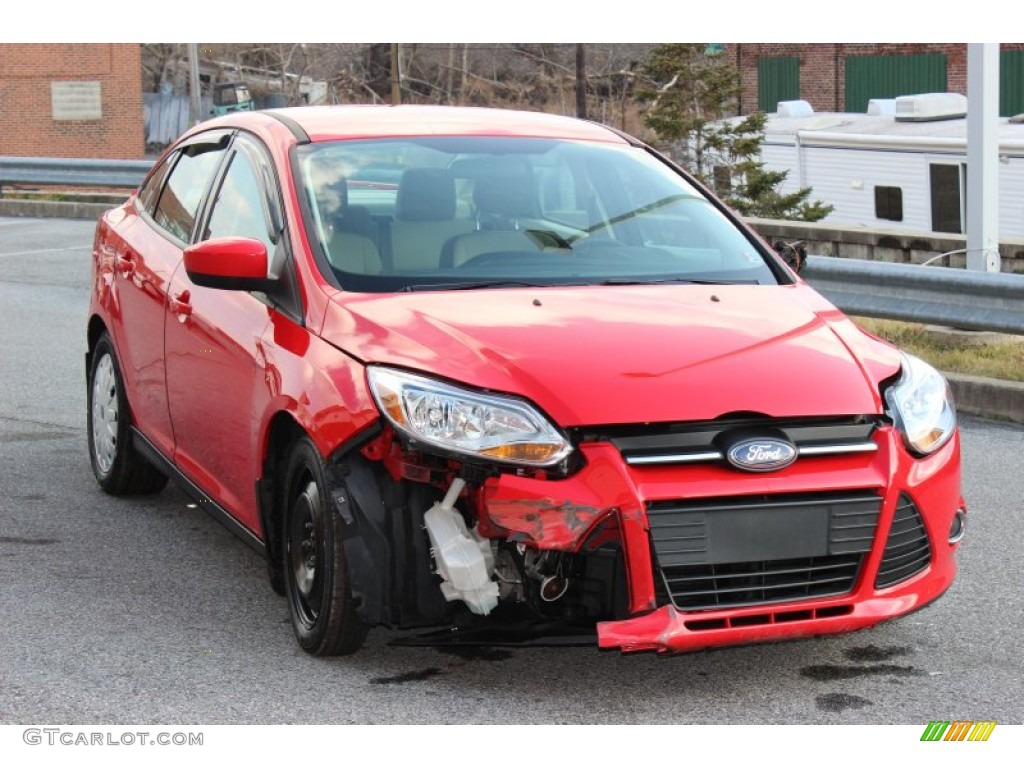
(886, 77)
(1011, 83)
(778, 79)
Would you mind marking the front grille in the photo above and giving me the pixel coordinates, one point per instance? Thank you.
(907, 551)
(703, 442)
(761, 528)
(714, 553)
(731, 585)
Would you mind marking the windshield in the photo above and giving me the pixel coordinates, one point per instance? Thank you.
(478, 212)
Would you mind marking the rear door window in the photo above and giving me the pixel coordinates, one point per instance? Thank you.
(150, 190)
(183, 193)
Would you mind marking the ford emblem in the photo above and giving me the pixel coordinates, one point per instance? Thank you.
(761, 454)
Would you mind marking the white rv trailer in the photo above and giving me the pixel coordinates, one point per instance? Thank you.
(902, 166)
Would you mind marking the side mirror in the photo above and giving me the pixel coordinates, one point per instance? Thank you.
(228, 263)
(794, 254)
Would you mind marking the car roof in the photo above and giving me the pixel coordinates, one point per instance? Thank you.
(365, 121)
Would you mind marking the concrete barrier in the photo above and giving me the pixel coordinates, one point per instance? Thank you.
(49, 209)
(898, 246)
(989, 398)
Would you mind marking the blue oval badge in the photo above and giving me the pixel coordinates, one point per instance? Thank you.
(762, 454)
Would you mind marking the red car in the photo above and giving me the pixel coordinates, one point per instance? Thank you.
(509, 378)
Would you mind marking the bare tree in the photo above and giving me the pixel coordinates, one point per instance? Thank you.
(538, 76)
(160, 63)
(581, 81)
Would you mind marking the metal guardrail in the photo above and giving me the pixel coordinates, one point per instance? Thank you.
(981, 301)
(72, 172)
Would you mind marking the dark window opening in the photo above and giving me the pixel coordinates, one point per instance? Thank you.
(947, 212)
(889, 203)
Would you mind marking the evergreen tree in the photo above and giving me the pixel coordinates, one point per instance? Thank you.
(692, 92)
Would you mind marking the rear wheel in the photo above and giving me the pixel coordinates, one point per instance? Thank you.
(119, 469)
(320, 601)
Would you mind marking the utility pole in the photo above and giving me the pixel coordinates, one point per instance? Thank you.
(195, 101)
(396, 75)
(581, 82)
(983, 156)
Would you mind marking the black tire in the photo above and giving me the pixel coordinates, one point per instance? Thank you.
(119, 468)
(276, 575)
(323, 614)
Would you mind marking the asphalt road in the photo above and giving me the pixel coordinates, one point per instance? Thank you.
(125, 611)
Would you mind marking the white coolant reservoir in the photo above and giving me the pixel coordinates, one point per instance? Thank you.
(464, 559)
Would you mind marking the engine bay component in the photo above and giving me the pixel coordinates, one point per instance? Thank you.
(464, 559)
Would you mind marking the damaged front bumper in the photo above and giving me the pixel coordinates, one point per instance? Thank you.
(714, 556)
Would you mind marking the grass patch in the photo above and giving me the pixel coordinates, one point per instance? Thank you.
(995, 356)
(58, 197)
(94, 195)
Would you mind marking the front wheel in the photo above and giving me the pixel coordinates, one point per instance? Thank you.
(320, 602)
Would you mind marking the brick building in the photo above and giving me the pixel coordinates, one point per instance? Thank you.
(71, 100)
(841, 77)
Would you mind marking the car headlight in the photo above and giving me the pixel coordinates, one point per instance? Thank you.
(496, 427)
(921, 405)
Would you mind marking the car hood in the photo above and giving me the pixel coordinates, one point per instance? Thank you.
(628, 354)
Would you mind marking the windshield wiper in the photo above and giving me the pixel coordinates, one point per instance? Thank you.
(669, 280)
(472, 285)
(547, 238)
(631, 215)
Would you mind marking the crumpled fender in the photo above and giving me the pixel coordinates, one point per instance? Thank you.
(559, 514)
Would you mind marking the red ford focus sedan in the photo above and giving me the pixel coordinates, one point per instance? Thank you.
(501, 378)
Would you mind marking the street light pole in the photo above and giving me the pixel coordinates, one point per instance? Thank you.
(983, 156)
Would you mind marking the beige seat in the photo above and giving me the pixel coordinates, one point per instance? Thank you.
(337, 215)
(350, 252)
(465, 247)
(424, 219)
(349, 230)
(504, 208)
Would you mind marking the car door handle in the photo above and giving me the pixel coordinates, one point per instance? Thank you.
(180, 305)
